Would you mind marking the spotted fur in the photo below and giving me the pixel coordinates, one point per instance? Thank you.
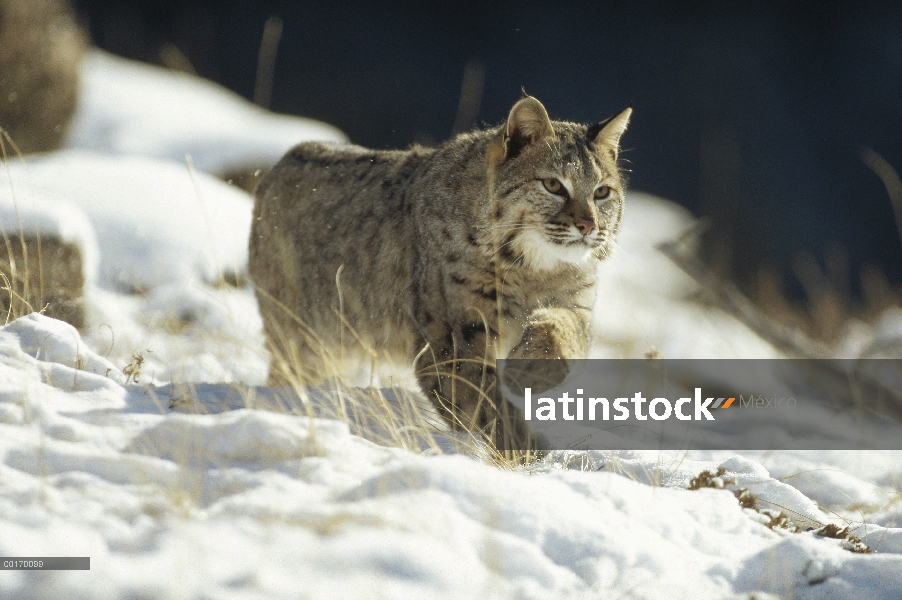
(451, 256)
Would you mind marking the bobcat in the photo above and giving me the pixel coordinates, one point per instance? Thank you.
(446, 258)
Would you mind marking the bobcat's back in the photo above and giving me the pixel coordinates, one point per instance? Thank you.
(332, 243)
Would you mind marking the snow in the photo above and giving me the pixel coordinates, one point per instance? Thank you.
(264, 504)
(647, 302)
(130, 108)
(160, 222)
(148, 443)
(33, 212)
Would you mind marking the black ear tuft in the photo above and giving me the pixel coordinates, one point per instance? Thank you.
(594, 130)
(606, 134)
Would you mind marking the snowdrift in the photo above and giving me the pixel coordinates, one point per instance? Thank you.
(134, 109)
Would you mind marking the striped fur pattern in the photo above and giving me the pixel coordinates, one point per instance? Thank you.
(450, 257)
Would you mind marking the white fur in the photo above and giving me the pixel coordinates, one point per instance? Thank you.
(568, 184)
(542, 255)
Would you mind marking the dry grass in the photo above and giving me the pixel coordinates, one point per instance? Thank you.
(41, 274)
(393, 416)
(38, 273)
(830, 304)
(780, 517)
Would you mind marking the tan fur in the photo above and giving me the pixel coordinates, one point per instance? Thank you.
(450, 254)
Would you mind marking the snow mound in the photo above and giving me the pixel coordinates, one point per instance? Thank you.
(645, 302)
(130, 108)
(55, 342)
(245, 436)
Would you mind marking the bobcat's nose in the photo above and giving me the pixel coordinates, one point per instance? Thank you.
(585, 226)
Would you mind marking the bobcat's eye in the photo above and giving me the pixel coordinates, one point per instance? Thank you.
(552, 185)
(603, 193)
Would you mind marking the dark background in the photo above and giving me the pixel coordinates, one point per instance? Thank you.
(752, 114)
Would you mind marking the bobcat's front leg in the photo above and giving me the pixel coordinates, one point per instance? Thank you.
(461, 381)
(552, 337)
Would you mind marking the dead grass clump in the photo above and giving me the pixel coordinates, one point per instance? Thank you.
(707, 479)
(829, 303)
(849, 542)
(776, 519)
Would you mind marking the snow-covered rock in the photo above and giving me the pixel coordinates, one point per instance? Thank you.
(143, 222)
(32, 212)
(130, 108)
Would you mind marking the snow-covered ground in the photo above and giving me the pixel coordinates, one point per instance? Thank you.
(175, 489)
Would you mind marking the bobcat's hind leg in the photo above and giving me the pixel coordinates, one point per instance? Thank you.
(294, 364)
(297, 356)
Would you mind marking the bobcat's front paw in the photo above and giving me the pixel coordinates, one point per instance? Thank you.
(537, 374)
(539, 360)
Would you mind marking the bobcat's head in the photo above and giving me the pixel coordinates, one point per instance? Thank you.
(557, 194)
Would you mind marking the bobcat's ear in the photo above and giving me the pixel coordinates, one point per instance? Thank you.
(527, 123)
(607, 133)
